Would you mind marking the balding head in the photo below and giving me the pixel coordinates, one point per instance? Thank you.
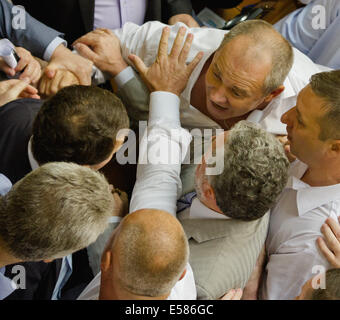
(150, 252)
(260, 40)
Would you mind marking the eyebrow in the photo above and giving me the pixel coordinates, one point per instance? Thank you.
(240, 91)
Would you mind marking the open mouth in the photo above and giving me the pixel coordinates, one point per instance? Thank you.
(218, 107)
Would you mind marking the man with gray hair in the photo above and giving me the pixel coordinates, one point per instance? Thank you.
(250, 72)
(55, 210)
(227, 222)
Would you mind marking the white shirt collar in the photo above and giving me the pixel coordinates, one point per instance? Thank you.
(309, 198)
(199, 211)
(34, 164)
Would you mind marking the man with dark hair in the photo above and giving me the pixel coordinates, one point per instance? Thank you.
(79, 124)
(312, 192)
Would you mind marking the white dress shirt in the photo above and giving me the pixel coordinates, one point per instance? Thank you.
(295, 225)
(158, 186)
(198, 210)
(144, 40)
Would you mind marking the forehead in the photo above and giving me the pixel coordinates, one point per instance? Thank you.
(241, 61)
(309, 106)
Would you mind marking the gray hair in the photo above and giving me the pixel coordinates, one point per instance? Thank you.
(326, 85)
(265, 37)
(56, 209)
(255, 172)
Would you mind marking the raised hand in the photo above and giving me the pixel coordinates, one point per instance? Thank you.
(169, 72)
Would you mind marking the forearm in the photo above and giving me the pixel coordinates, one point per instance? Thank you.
(30, 33)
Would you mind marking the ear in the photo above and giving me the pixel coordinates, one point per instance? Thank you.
(106, 262)
(208, 191)
(183, 274)
(274, 94)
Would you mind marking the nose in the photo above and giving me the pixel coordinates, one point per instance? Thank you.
(218, 95)
(287, 117)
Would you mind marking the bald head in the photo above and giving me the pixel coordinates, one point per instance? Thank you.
(151, 251)
(259, 42)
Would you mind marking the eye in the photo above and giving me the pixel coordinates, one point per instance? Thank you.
(216, 75)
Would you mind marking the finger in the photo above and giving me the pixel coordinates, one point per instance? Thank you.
(238, 294)
(176, 47)
(29, 95)
(89, 39)
(29, 72)
(329, 255)
(186, 48)
(23, 62)
(334, 227)
(330, 239)
(55, 85)
(85, 51)
(192, 65)
(18, 87)
(9, 71)
(163, 43)
(31, 90)
(51, 70)
(138, 63)
(228, 295)
(42, 85)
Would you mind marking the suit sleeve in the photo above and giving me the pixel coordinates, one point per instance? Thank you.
(135, 96)
(30, 33)
(178, 7)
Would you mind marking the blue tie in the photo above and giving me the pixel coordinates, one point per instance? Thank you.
(185, 201)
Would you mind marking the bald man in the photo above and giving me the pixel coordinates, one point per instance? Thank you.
(147, 256)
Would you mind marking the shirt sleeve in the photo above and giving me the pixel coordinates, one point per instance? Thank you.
(23, 30)
(5, 185)
(303, 27)
(162, 150)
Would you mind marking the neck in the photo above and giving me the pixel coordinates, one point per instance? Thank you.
(320, 176)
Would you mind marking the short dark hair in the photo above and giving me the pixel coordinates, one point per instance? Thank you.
(326, 86)
(79, 124)
(332, 290)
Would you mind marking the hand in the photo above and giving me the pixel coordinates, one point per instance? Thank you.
(169, 72)
(13, 89)
(29, 67)
(121, 202)
(62, 78)
(330, 246)
(63, 58)
(286, 145)
(185, 18)
(102, 47)
(233, 295)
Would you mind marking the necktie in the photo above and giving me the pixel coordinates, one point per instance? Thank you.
(185, 201)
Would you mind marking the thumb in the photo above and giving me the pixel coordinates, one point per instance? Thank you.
(85, 51)
(51, 70)
(138, 63)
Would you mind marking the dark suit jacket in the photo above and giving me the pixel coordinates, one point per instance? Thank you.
(16, 119)
(75, 17)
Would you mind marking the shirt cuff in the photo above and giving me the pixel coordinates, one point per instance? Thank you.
(52, 46)
(115, 219)
(124, 76)
(164, 105)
